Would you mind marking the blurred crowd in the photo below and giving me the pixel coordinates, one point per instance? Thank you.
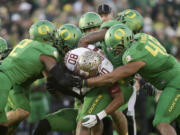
(161, 17)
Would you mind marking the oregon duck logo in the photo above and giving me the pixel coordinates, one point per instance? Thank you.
(43, 29)
(119, 33)
(130, 14)
(65, 34)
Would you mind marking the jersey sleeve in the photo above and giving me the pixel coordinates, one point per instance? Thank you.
(70, 60)
(50, 51)
(105, 67)
(136, 52)
(108, 24)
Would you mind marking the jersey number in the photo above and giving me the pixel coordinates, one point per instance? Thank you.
(103, 71)
(21, 45)
(154, 47)
(72, 59)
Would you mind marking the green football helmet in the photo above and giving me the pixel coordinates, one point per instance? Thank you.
(117, 39)
(89, 20)
(42, 31)
(132, 18)
(3, 45)
(69, 35)
(3, 48)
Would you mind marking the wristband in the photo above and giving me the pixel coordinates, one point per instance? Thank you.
(102, 115)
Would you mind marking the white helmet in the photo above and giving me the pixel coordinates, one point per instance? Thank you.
(88, 63)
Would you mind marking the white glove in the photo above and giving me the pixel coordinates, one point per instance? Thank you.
(93, 119)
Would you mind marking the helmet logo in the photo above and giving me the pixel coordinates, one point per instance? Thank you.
(65, 34)
(43, 29)
(130, 14)
(118, 34)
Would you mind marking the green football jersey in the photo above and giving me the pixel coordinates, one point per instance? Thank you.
(24, 60)
(161, 69)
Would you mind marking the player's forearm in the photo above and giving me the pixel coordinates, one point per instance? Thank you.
(118, 74)
(114, 105)
(92, 37)
(107, 79)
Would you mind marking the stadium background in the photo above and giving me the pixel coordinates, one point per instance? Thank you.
(162, 19)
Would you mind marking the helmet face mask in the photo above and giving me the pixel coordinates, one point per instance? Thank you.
(117, 39)
(118, 49)
(90, 29)
(118, 35)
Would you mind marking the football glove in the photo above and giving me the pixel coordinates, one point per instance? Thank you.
(149, 89)
(91, 120)
(79, 82)
(53, 87)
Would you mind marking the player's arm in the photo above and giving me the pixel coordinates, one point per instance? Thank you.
(58, 77)
(92, 37)
(118, 74)
(57, 70)
(117, 101)
(48, 61)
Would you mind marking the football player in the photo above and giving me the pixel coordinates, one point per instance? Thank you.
(131, 18)
(145, 55)
(90, 22)
(37, 52)
(135, 21)
(88, 63)
(63, 119)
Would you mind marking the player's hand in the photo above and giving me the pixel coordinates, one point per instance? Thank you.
(147, 87)
(79, 82)
(90, 121)
(150, 90)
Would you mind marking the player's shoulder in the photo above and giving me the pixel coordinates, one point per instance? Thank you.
(110, 23)
(44, 48)
(136, 51)
(42, 45)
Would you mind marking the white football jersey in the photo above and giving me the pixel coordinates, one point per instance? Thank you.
(72, 57)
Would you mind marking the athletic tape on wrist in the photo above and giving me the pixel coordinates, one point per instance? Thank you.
(102, 115)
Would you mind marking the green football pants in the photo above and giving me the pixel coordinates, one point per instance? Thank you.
(168, 108)
(95, 101)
